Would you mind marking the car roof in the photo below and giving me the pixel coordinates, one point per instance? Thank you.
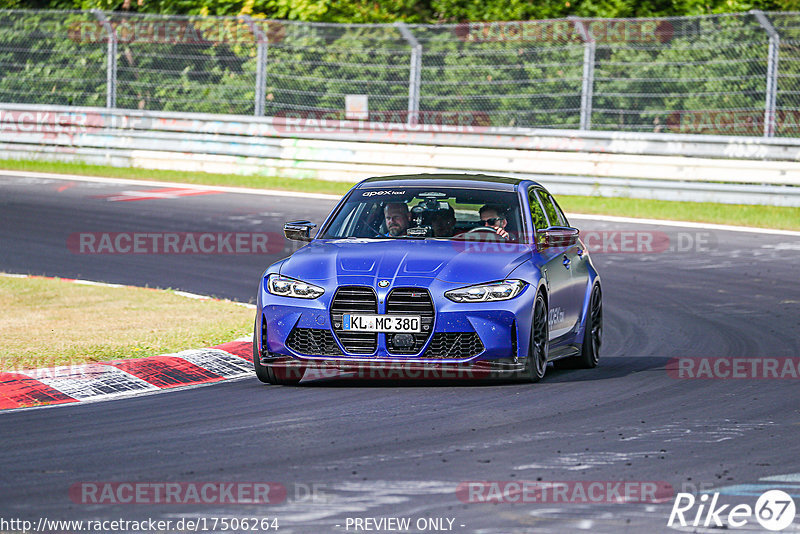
(455, 180)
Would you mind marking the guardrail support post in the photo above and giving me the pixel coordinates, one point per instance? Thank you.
(587, 87)
(415, 72)
(770, 104)
(111, 68)
(262, 47)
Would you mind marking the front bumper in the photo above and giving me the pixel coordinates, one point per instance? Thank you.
(290, 367)
(461, 334)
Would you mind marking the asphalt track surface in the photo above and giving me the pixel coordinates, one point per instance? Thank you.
(377, 449)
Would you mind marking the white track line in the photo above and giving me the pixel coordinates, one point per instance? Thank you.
(683, 224)
(158, 183)
(294, 194)
(106, 284)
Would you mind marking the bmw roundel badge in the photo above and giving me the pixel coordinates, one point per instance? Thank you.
(383, 283)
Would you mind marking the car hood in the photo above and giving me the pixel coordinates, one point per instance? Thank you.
(450, 261)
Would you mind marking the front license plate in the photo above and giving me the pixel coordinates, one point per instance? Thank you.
(381, 323)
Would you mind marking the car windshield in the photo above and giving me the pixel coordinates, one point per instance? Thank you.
(427, 212)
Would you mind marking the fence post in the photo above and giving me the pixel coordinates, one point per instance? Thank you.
(262, 47)
(111, 69)
(772, 72)
(415, 74)
(587, 87)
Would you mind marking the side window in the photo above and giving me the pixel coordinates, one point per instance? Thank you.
(554, 213)
(539, 220)
(561, 215)
(537, 215)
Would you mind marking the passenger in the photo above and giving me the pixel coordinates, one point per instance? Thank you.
(443, 222)
(398, 219)
(495, 217)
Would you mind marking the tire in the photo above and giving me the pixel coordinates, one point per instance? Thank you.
(539, 346)
(266, 373)
(262, 372)
(592, 337)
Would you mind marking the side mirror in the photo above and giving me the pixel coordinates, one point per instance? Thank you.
(298, 230)
(560, 236)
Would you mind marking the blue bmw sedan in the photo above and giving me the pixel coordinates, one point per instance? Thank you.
(432, 273)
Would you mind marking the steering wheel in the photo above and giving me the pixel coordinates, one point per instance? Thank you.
(479, 229)
(484, 232)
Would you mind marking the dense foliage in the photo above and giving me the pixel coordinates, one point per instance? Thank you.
(688, 75)
(425, 11)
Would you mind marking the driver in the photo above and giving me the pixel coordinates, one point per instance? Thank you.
(495, 217)
(397, 217)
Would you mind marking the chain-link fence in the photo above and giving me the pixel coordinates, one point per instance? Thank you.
(724, 74)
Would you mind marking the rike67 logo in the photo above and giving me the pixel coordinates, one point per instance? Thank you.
(774, 511)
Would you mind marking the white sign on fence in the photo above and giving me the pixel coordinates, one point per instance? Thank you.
(356, 107)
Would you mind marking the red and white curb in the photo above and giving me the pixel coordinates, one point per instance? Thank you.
(107, 380)
(135, 376)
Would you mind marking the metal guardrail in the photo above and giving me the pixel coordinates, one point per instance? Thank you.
(660, 166)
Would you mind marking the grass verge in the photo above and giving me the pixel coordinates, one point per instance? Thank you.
(735, 214)
(709, 212)
(45, 322)
(306, 185)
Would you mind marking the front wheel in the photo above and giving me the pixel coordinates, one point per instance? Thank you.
(262, 372)
(536, 364)
(267, 374)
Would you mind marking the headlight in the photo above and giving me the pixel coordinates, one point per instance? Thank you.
(289, 287)
(504, 290)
